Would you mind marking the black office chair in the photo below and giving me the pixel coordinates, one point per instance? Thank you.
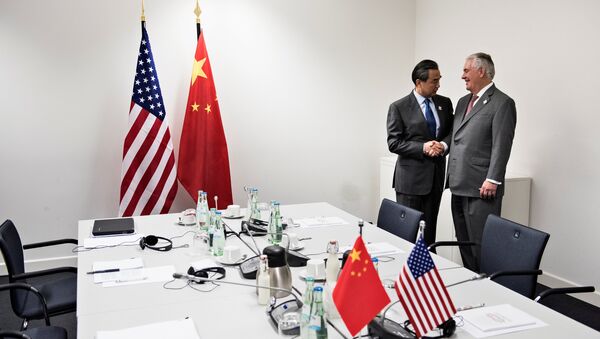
(60, 294)
(399, 220)
(510, 253)
(563, 290)
(44, 332)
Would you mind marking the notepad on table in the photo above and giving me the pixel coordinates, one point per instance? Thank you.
(495, 318)
(128, 270)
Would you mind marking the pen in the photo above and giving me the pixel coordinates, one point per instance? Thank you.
(110, 270)
(469, 307)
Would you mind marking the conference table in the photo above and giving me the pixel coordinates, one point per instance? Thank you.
(230, 311)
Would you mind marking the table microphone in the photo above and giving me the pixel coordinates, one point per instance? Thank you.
(276, 313)
(475, 278)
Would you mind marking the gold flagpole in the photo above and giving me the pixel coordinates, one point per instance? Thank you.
(143, 17)
(197, 11)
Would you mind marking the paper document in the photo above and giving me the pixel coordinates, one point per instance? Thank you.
(320, 221)
(111, 240)
(377, 249)
(181, 329)
(151, 275)
(499, 319)
(128, 270)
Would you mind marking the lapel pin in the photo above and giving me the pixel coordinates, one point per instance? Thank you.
(439, 108)
(485, 101)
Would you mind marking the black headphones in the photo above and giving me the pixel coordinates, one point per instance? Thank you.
(203, 273)
(448, 328)
(150, 242)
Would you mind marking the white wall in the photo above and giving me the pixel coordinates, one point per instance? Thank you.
(303, 87)
(545, 54)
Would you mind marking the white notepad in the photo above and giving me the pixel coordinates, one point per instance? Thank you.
(180, 329)
(495, 318)
(129, 270)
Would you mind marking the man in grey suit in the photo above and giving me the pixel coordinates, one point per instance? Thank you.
(419, 129)
(484, 127)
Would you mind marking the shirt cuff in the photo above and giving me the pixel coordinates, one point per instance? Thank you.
(445, 146)
(493, 181)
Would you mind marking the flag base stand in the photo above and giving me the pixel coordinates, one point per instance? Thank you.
(388, 329)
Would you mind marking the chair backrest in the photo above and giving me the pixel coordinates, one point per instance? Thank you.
(399, 220)
(509, 246)
(12, 251)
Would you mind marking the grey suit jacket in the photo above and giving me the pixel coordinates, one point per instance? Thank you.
(407, 132)
(481, 142)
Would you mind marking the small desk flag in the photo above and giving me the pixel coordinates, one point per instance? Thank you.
(422, 291)
(359, 294)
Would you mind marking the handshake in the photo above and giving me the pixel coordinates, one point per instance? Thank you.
(433, 148)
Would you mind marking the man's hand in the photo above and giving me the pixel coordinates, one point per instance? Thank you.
(433, 148)
(488, 190)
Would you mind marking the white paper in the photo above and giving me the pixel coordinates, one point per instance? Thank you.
(129, 270)
(114, 240)
(494, 320)
(181, 329)
(320, 221)
(152, 274)
(377, 249)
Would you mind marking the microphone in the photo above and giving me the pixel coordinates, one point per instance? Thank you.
(294, 258)
(474, 278)
(289, 325)
(242, 240)
(199, 279)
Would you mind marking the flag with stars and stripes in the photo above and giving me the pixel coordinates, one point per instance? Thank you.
(422, 291)
(148, 171)
(203, 162)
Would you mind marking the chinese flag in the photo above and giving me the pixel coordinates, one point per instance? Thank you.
(203, 159)
(359, 294)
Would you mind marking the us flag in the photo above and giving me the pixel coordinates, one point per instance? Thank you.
(422, 292)
(148, 171)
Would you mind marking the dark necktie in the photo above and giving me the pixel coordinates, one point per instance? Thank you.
(471, 103)
(430, 118)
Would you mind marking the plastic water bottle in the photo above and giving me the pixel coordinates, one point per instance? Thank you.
(218, 236)
(275, 225)
(306, 307)
(317, 327)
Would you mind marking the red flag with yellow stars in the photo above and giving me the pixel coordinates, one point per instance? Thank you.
(359, 294)
(203, 162)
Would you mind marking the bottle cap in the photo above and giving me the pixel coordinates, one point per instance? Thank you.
(318, 289)
(375, 260)
(309, 279)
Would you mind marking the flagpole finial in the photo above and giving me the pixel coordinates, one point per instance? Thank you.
(361, 223)
(197, 11)
(143, 17)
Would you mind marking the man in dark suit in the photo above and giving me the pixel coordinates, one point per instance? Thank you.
(484, 127)
(419, 128)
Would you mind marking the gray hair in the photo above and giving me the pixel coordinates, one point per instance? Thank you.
(484, 61)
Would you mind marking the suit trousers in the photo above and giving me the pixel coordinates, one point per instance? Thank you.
(429, 204)
(469, 215)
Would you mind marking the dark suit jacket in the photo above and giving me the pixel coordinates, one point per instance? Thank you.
(407, 132)
(481, 142)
